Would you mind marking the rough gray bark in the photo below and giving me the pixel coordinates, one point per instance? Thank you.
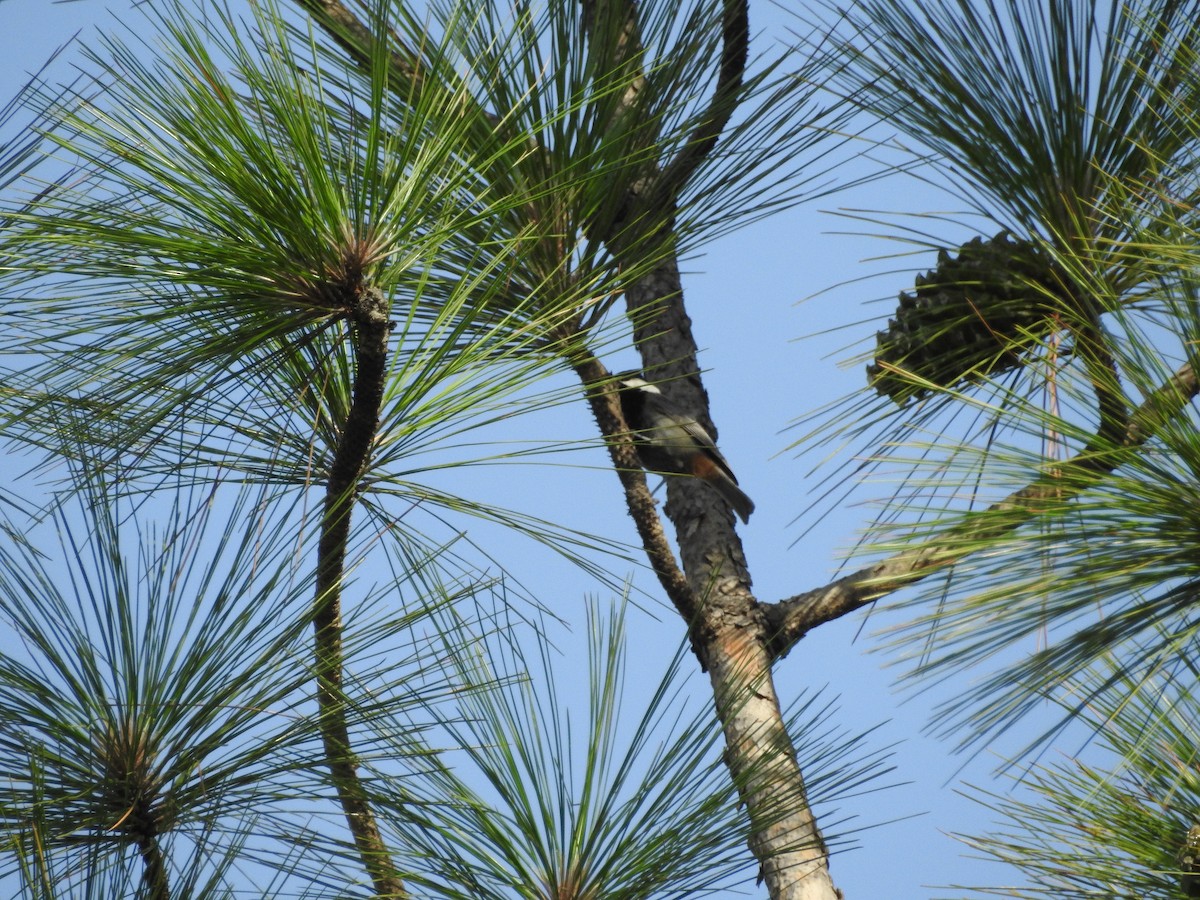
(729, 631)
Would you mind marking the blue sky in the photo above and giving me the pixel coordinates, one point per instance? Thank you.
(775, 308)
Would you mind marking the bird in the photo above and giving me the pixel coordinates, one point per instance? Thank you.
(670, 441)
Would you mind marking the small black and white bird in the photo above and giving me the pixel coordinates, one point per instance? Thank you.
(670, 441)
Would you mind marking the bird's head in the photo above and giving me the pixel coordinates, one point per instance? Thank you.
(633, 381)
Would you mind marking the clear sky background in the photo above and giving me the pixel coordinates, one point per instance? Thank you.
(774, 327)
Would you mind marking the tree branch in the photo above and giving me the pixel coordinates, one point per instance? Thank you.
(614, 29)
(730, 633)
(725, 625)
(353, 36)
(794, 617)
(735, 51)
(368, 315)
(154, 876)
(602, 397)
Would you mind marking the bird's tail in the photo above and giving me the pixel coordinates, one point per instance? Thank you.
(733, 495)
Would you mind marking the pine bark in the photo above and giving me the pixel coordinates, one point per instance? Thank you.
(369, 321)
(729, 630)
